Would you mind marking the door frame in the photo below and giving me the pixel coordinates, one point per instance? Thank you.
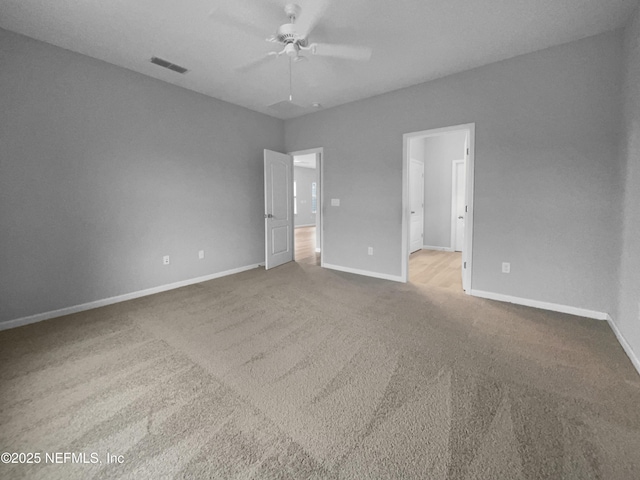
(406, 212)
(320, 200)
(454, 191)
(421, 231)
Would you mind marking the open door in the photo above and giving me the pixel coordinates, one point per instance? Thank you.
(278, 208)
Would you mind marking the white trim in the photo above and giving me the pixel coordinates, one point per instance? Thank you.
(625, 345)
(39, 317)
(406, 209)
(554, 307)
(454, 203)
(434, 132)
(320, 201)
(439, 249)
(420, 163)
(318, 250)
(469, 182)
(366, 273)
(469, 179)
(306, 225)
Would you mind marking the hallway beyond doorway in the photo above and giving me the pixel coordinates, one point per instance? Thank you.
(305, 246)
(435, 268)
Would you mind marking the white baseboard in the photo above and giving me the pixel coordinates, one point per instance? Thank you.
(305, 225)
(366, 273)
(625, 345)
(39, 317)
(440, 249)
(318, 250)
(554, 307)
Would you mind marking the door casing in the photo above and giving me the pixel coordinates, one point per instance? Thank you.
(467, 254)
(454, 204)
(416, 168)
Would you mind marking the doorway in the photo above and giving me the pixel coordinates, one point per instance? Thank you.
(307, 205)
(443, 157)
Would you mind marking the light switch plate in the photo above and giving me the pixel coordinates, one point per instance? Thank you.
(335, 202)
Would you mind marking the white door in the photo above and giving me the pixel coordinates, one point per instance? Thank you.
(460, 205)
(416, 192)
(278, 208)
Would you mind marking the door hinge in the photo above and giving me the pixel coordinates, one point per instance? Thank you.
(467, 151)
(466, 209)
(465, 264)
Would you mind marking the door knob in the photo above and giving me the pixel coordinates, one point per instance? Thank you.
(268, 215)
(412, 211)
(460, 218)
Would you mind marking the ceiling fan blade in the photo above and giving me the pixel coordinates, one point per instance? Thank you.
(347, 52)
(269, 57)
(310, 16)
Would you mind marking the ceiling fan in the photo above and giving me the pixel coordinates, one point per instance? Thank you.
(294, 38)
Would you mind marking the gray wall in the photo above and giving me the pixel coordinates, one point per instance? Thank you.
(439, 153)
(304, 177)
(628, 318)
(548, 173)
(103, 171)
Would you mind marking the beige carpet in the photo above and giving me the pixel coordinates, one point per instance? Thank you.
(305, 373)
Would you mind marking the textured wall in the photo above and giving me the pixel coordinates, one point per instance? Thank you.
(628, 318)
(548, 186)
(103, 171)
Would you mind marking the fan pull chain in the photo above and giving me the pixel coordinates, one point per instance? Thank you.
(290, 83)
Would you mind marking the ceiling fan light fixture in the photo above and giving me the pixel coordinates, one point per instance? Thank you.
(291, 49)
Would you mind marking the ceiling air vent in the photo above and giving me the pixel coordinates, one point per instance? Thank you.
(169, 65)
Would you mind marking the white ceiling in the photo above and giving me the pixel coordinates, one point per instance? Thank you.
(412, 40)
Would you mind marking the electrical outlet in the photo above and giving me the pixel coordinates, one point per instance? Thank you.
(201, 254)
(165, 260)
(506, 267)
(370, 251)
(335, 202)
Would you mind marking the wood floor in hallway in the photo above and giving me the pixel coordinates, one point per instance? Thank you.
(305, 241)
(436, 269)
(426, 267)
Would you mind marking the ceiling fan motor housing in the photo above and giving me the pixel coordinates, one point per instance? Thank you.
(287, 34)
